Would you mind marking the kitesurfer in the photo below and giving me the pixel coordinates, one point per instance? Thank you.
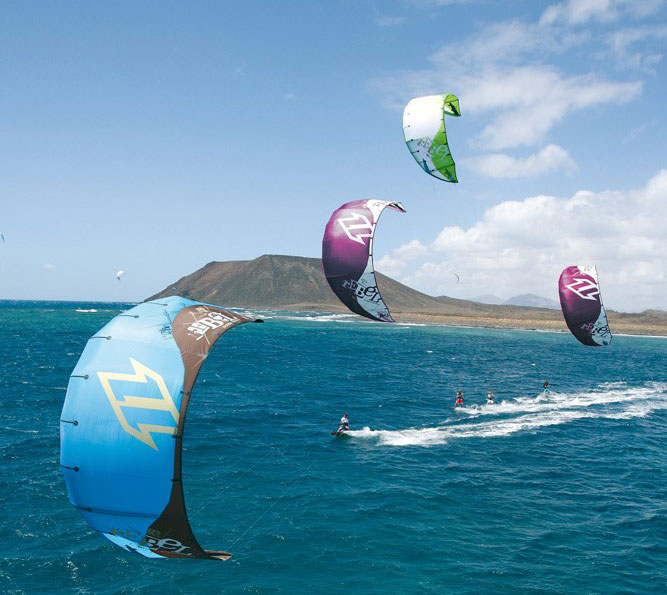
(459, 399)
(489, 398)
(344, 423)
(546, 386)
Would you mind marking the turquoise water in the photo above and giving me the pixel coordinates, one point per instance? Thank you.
(557, 493)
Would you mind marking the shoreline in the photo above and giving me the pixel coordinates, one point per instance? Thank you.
(552, 323)
(617, 328)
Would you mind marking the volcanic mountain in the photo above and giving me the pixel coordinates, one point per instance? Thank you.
(277, 282)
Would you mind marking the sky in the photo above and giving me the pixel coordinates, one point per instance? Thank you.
(155, 137)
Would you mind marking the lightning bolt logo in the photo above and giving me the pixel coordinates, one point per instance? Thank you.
(584, 288)
(353, 225)
(166, 403)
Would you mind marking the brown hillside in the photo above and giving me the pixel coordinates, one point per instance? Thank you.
(297, 283)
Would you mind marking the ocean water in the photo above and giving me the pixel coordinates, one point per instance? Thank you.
(563, 492)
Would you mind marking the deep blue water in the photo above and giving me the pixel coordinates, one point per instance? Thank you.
(557, 493)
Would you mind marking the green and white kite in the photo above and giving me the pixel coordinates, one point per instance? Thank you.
(424, 130)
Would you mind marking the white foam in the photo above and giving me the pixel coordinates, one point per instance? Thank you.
(325, 318)
(619, 402)
(604, 394)
(18, 430)
(308, 316)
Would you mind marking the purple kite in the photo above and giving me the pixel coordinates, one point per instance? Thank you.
(582, 305)
(347, 256)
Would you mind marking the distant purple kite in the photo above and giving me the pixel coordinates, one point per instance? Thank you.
(347, 256)
(582, 305)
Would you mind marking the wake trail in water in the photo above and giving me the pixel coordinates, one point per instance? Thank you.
(607, 401)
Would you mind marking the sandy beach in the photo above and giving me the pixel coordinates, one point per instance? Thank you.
(538, 323)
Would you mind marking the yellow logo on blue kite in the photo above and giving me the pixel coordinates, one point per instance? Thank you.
(165, 403)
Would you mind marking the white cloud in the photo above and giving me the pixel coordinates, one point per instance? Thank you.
(411, 250)
(501, 79)
(530, 101)
(390, 266)
(550, 158)
(522, 246)
(289, 97)
(622, 43)
(394, 264)
(581, 12)
(48, 266)
(507, 42)
(577, 12)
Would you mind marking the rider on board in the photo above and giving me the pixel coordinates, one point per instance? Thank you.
(344, 423)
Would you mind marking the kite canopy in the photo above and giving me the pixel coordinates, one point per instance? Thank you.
(582, 307)
(119, 274)
(122, 424)
(347, 256)
(425, 135)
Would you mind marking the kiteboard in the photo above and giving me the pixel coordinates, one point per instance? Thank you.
(340, 434)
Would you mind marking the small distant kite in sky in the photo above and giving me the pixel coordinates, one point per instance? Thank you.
(119, 274)
(457, 278)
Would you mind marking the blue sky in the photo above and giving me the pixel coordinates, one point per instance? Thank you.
(155, 137)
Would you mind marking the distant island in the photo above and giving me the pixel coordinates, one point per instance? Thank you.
(277, 282)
